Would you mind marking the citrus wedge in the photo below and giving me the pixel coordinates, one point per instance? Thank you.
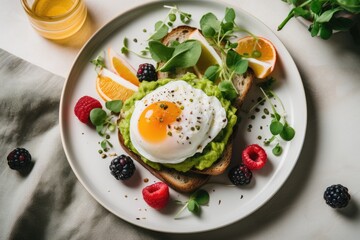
(110, 86)
(208, 55)
(121, 67)
(261, 54)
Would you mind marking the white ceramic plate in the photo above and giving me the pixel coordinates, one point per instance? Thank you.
(227, 204)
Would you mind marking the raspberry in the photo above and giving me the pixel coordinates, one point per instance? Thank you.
(122, 167)
(19, 159)
(337, 196)
(84, 106)
(156, 195)
(254, 157)
(240, 175)
(147, 72)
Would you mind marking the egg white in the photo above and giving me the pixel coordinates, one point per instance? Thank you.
(202, 118)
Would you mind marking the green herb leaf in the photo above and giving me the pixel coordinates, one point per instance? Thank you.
(228, 90)
(99, 62)
(352, 6)
(99, 129)
(300, 12)
(98, 116)
(212, 73)
(209, 25)
(103, 144)
(327, 15)
(193, 206)
(161, 29)
(315, 6)
(159, 52)
(235, 62)
(314, 29)
(232, 58)
(277, 150)
(276, 127)
(114, 106)
(229, 15)
(241, 66)
(185, 55)
(201, 197)
(125, 48)
(287, 133)
(185, 17)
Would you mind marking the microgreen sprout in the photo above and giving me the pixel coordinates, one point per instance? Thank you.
(162, 27)
(279, 126)
(105, 122)
(99, 62)
(219, 34)
(126, 50)
(196, 200)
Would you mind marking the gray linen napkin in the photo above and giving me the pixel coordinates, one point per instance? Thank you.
(48, 202)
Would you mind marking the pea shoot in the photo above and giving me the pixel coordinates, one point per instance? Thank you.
(196, 200)
(279, 126)
(105, 122)
(99, 62)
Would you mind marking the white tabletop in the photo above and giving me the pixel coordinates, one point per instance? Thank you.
(330, 71)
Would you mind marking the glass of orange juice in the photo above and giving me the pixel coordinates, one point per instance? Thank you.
(56, 19)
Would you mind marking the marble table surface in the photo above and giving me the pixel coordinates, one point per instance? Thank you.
(330, 71)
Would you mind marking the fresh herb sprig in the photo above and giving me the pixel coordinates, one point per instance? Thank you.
(106, 121)
(162, 27)
(323, 15)
(99, 62)
(126, 50)
(279, 126)
(219, 34)
(182, 55)
(197, 199)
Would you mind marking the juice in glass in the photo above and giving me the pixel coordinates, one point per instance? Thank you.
(56, 19)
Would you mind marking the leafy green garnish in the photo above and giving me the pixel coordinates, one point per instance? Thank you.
(323, 15)
(104, 121)
(196, 200)
(183, 55)
(99, 62)
(279, 125)
(162, 27)
(114, 106)
(219, 34)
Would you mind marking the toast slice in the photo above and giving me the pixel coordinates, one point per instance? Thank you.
(242, 83)
(194, 179)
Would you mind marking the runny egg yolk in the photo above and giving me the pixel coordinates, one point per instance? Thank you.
(155, 118)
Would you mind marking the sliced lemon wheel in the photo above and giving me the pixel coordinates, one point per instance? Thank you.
(111, 86)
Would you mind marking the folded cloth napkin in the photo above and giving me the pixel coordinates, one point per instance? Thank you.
(47, 202)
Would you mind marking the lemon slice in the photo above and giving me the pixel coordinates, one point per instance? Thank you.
(208, 55)
(111, 86)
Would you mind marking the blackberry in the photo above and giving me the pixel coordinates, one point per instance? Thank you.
(122, 167)
(337, 196)
(240, 175)
(19, 159)
(146, 72)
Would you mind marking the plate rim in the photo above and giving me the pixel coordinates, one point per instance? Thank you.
(92, 40)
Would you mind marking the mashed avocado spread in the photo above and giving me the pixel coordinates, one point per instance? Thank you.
(211, 152)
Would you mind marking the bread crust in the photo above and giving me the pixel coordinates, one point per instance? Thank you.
(194, 179)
